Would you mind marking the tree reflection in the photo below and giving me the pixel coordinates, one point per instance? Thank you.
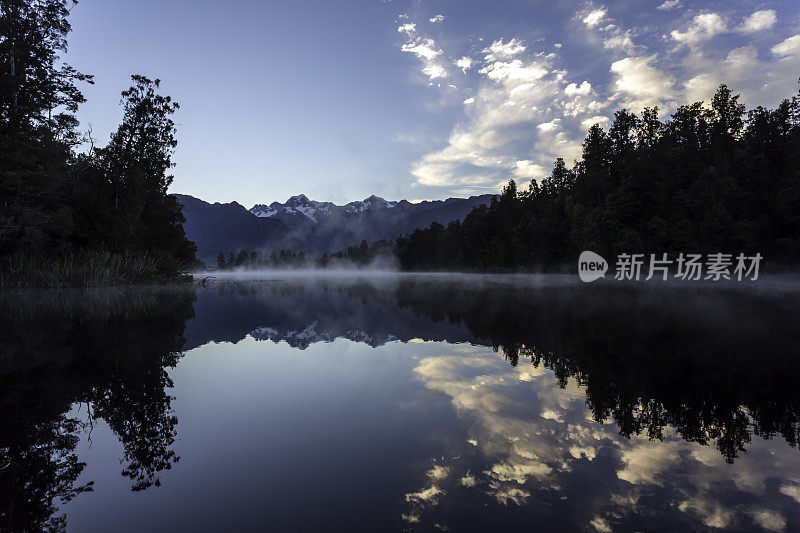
(719, 365)
(716, 368)
(108, 350)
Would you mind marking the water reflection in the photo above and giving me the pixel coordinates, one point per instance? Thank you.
(545, 454)
(717, 366)
(107, 351)
(604, 408)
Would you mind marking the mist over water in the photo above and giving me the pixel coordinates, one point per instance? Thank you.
(381, 274)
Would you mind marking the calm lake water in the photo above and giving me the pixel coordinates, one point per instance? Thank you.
(414, 403)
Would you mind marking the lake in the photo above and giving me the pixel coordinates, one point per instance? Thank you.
(411, 403)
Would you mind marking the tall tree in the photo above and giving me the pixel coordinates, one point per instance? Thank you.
(38, 99)
(136, 163)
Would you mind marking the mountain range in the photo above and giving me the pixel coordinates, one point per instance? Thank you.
(302, 224)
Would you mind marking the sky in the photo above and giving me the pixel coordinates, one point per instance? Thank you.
(416, 100)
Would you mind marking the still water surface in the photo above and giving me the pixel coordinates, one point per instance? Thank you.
(401, 404)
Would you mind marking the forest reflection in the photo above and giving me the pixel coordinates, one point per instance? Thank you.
(717, 365)
(713, 366)
(106, 351)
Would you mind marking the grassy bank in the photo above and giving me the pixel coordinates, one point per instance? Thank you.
(86, 269)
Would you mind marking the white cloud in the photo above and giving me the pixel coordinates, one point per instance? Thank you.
(610, 34)
(711, 513)
(466, 148)
(793, 491)
(438, 472)
(594, 17)
(407, 28)
(434, 71)
(668, 4)
(500, 50)
(549, 126)
(789, 47)
(436, 18)
(519, 472)
(520, 113)
(770, 520)
(514, 72)
(759, 20)
(619, 42)
(527, 169)
(742, 70)
(426, 50)
(701, 87)
(643, 84)
(600, 525)
(646, 460)
(465, 63)
(591, 121)
(572, 89)
(428, 495)
(505, 494)
(422, 48)
(703, 27)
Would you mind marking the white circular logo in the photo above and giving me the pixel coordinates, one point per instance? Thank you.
(591, 266)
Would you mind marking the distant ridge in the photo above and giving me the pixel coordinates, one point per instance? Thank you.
(229, 227)
(315, 211)
(311, 226)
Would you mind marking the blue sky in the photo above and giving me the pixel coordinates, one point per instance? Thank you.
(416, 100)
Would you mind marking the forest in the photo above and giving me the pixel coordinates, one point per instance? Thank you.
(73, 216)
(712, 178)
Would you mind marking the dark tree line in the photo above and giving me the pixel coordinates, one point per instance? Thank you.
(255, 260)
(55, 200)
(710, 179)
(358, 256)
(355, 256)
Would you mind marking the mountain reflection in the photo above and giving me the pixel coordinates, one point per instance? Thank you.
(716, 365)
(107, 351)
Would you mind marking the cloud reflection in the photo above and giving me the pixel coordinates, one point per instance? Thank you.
(535, 438)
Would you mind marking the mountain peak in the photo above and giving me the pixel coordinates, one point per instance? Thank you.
(298, 200)
(301, 205)
(369, 203)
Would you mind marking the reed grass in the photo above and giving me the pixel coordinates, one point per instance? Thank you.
(87, 269)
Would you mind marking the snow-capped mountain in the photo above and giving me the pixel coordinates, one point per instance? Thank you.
(313, 227)
(312, 333)
(316, 211)
(373, 202)
(296, 205)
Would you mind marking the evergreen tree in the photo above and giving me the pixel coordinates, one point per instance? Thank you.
(38, 98)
